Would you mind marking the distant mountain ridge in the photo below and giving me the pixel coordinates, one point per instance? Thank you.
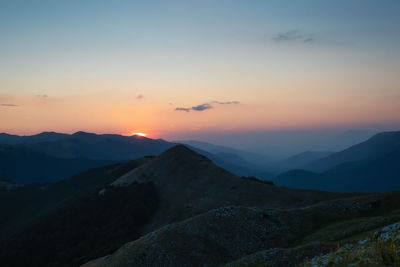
(26, 165)
(249, 157)
(371, 166)
(300, 160)
(373, 148)
(50, 156)
(73, 153)
(89, 145)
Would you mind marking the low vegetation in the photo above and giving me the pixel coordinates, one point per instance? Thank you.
(382, 248)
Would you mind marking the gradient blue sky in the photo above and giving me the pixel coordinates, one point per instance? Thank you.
(126, 66)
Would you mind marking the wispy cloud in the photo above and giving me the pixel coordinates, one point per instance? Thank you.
(183, 109)
(139, 97)
(226, 103)
(9, 105)
(202, 107)
(294, 36)
(206, 106)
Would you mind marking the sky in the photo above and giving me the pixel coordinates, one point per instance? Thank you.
(204, 70)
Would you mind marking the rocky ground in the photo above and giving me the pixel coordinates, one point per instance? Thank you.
(239, 236)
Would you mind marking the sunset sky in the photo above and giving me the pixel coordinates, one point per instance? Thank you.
(177, 69)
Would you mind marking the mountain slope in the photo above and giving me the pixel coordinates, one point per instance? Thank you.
(375, 175)
(375, 147)
(249, 157)
(94, 213)
(190, 184)
(228, 233)
(220, 235)
(300, 160)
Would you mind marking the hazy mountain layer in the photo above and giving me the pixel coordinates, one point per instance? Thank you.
(377, 146)
(373, 175)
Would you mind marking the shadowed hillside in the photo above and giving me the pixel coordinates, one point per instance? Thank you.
(261, 236)
(179, 209)
(110, 201)
(190, 184)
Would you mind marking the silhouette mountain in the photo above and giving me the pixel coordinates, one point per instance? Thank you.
(26, 165)
(9, 139)
(299, 160)
(371, 166)
(375, 147)
(65, 155)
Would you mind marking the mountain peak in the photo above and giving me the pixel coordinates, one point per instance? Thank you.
(163, 169)
(178, 149)
(183, 154)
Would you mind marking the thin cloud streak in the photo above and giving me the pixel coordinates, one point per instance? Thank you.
(226, 103)
(9, 105)
(294, 36)
(202, 107)
(206, 106)
(183, 109)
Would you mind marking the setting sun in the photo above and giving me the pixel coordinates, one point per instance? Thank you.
(140, 134)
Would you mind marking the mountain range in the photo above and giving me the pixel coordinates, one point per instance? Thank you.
(50, 156)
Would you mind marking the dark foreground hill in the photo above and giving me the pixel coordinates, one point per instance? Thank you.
(94, 213)
(179, 209)
(226, 234)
